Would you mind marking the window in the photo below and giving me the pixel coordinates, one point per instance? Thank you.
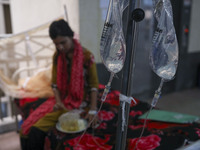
(7, 18)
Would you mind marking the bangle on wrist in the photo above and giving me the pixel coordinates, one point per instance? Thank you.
(92, 112)
(94, 89)
(54, 86)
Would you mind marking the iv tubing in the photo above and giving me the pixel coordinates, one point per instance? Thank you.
(157, 94)
(107, 88)
(89, 125)
(153, 104)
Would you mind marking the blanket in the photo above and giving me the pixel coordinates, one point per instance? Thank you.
(158, 135)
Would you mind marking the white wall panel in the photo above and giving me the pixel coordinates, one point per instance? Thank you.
(2, 27)
(194, 37)
(91, 25)
(27, 14)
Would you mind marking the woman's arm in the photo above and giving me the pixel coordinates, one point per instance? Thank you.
(59, 105)
(93, 83)
(93, 108)
(93, 100)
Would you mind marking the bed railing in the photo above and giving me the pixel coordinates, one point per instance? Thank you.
(20, 56)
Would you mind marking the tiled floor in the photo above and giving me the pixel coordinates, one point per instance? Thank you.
(187, 101)
(9, 141)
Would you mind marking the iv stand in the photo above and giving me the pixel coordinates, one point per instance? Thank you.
(134, 15)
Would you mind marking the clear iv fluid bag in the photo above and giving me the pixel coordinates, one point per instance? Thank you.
(116, 57)
(164, 52)
(112, 45)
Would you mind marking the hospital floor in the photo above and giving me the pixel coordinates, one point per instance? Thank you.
(187, 102)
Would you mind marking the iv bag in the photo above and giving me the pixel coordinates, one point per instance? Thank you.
(123, 5)
(112, 45)
(164, 52)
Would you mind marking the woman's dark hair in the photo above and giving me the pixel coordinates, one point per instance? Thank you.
(60, 28)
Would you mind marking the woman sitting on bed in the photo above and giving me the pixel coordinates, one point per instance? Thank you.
(73, 77)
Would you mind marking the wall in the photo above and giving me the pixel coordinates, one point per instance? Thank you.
(27, 14)
(90, 26)
(72, 8)
(194, 44)
(189, 58)
(2, 28)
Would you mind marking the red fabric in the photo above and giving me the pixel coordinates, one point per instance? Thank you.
(89, 142)
(24, 101)
(41, 111)
(163, 125)
(74, 88)
(145, 143)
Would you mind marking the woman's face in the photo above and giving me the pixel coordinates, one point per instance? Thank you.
(64, 44)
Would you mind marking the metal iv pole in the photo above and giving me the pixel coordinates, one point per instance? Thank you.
(134, 15)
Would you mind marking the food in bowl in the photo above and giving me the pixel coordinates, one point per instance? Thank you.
(71, 121)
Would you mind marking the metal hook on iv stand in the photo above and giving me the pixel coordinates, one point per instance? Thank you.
(134, 16)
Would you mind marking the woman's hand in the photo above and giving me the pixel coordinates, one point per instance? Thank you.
(92, 118)
(59, 106)
(93, 107)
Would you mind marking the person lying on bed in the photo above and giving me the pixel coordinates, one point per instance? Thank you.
(73, 76)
